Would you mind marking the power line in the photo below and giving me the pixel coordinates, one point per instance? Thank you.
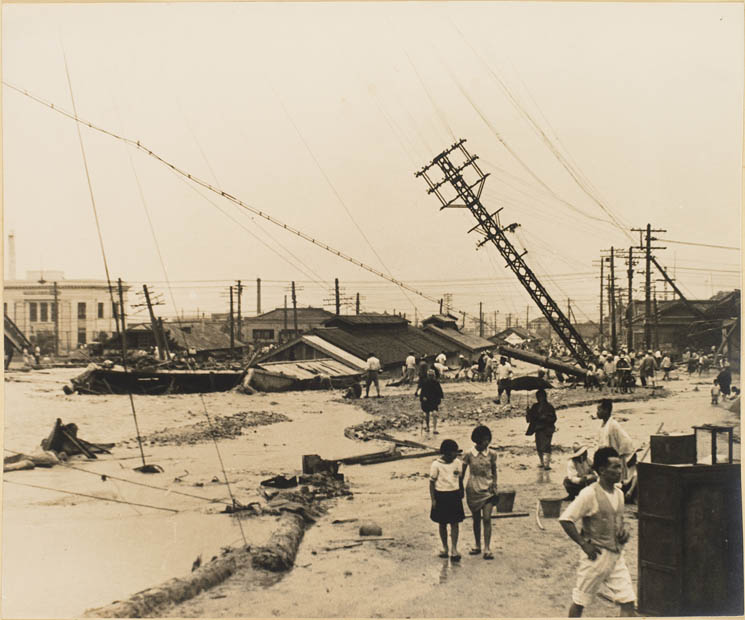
(703, 245)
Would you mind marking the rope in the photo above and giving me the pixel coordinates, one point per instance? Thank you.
(139, 484)
(103, 499)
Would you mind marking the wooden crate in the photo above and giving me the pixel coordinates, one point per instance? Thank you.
(690, 540)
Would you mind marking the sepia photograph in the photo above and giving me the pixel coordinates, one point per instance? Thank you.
(372, 309)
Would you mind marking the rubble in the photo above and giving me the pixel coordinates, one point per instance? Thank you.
(223, 427)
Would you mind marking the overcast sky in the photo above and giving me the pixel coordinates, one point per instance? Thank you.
(319, 114)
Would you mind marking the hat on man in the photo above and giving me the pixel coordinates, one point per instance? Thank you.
(578, 450)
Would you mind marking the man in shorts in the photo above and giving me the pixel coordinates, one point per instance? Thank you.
(372, 370)
(598, 513)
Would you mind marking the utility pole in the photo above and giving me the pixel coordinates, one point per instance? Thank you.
(569, 310)
(656, 321)
(481, 319)
(357, 307)
(612, 302)
(232, 326)
(294, 308)
(285, 313)
(55, 310)
(440, 305)
(240, 323)
(154, 324)
(165, 339)
(602, 285)
(646, 245)
(630, 309)
(336, 290)
(124, 328)
(258, 295)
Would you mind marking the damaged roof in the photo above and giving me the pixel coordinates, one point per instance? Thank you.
(466, 341)
(202, 337)
(390, 346)
(368, 319)
(309, 369)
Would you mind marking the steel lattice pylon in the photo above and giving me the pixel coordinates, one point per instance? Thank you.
(489, 226)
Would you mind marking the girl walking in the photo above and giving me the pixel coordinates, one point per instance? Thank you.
(446, 492)
(481, 490)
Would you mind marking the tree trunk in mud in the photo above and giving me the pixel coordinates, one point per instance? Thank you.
(279, 554)
(173, 591)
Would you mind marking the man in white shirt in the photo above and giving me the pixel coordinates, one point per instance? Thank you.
(410, 365)
(594, 520)
(372, 370)
(504, 378)
(611, 434)
(441, 358)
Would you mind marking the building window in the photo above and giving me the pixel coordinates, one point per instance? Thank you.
(100, 309)
(54, 311)
(81, 309)
(44, 312)
(263, 334)
(32, 311)
(81, 336)
(115, 310)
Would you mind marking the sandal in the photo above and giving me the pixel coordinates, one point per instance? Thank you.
(476, 551)
(443, 554)
(455, 558)
(488, 555)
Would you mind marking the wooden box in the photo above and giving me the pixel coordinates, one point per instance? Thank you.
(690, 540)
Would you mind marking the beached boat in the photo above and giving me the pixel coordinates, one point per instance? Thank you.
(117, 381)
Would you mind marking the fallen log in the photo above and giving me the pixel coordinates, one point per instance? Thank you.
(401, 457)
(354, 460)
(173, 591)
(404, 442)
(279, 553)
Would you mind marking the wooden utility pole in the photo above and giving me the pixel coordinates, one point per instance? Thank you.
(630, 309)
(602, 285)
(240, 323)
(294, 308)
(656, 322)
(55, 310)
(612, 302)
(232, 326)
(481, 319)
(336, 294)
(357, 305)
(124, 327)
(440, 306)
(154, 324)
(647, 246)
(258, 295)
(165, 338)
(285, 313)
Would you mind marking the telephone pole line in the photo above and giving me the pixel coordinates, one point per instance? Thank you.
(157, 334)
(55, 309)
(258, 296)
(294, 308)
(240, 322)
(232, 326)
(646, 245)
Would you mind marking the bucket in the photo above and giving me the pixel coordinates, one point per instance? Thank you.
(505, 501)
(551, 507)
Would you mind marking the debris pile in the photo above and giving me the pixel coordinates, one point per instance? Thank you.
(223, 427)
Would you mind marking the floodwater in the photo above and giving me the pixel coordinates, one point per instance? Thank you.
(63, 554)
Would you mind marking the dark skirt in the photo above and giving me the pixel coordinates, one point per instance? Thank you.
(543, 440)
(429, 405)
(448, 507)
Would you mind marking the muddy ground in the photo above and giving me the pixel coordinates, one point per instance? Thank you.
(109, 551)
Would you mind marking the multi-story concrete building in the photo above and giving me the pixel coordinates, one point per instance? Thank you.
(85, 309)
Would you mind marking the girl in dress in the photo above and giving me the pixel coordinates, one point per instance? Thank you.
(481, 490)
(446, 492)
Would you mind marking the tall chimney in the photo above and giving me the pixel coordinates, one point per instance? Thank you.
(11, 256)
